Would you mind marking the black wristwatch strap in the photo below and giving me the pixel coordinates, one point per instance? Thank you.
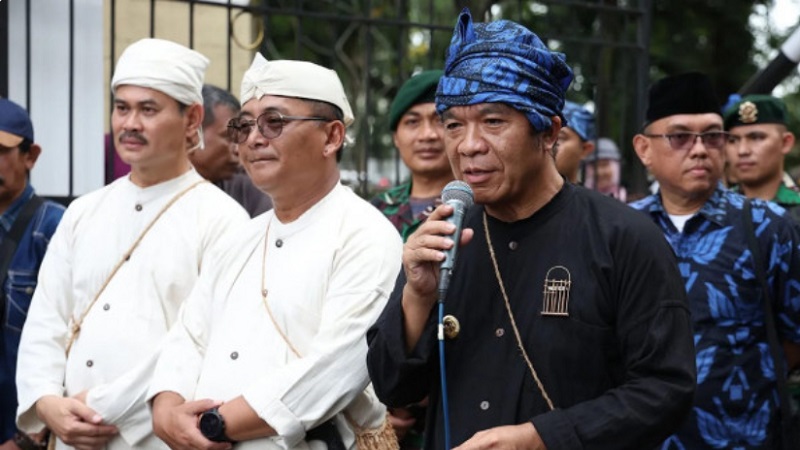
(219, 435)
(25, 442)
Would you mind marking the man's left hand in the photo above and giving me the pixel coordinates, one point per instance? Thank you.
(510, 437)
(175, 422)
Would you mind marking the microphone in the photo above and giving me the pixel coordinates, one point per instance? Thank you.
(459, 195)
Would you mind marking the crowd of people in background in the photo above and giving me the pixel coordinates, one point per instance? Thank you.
(226, 289)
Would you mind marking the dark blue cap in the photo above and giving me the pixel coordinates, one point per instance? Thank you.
(15, 124)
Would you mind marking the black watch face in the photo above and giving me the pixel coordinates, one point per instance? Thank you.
(211, 425)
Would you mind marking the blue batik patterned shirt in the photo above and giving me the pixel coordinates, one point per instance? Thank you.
(20, 283)
(736, 403)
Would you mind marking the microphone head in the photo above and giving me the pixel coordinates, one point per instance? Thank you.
(458, 190)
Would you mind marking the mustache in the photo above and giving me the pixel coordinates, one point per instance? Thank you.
(133, 135)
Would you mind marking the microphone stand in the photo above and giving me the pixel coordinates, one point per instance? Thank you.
(444, 274)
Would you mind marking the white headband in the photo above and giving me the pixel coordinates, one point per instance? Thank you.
(164, 66)
(299, 79)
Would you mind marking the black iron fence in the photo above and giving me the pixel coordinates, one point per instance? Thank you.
(376, 44)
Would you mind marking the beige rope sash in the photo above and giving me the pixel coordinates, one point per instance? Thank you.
(382, 438)
(75, 328)
(524, 353)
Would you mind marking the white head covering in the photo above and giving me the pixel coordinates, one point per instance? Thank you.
(164, 66)
(299, 79)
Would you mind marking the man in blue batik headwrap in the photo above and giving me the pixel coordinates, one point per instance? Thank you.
(568, 325)
(575, 141)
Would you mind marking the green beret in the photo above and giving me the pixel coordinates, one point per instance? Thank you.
(753, 109)
(421, 88)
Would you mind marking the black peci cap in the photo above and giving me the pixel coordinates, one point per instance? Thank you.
(688, 93)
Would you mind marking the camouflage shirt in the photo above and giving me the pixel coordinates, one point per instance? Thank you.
(395, 204)
(787, 196)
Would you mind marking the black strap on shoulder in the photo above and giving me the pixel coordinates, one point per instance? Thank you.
(793, 212)
(776, 351)
(9, 246)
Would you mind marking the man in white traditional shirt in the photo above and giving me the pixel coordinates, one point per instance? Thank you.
(122, 261)
(276, 326)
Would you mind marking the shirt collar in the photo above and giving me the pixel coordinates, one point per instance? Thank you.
(397, 195)
(786, 196)
(788, 181)
(7, 218)
(713, 209)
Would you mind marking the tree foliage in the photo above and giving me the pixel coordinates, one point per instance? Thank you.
(713, 37)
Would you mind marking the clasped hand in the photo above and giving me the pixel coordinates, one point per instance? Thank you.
(73, 422)
(176, 422)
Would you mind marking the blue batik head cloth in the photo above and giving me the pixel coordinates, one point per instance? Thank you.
(581, 121)
(503, 62)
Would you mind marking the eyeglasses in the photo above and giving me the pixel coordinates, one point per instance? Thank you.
(270, 125)
(685, 140)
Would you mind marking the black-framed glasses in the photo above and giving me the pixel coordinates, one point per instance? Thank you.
(685, 140)
(270, 125)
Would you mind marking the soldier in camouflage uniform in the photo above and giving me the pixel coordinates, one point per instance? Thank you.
(419, 137)
(756, 148)
(417, 133)
(758, 142)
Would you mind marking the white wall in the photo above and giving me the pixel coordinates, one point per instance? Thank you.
(50, 87)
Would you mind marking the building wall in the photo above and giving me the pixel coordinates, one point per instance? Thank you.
(72, 161)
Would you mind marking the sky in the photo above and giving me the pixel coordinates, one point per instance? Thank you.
(785, 14)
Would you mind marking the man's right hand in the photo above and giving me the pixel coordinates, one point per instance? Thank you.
(175, 422)
(9, 445)
(402, 420)
(423, 253)
(74, 423)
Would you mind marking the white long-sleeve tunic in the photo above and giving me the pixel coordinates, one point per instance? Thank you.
(116, 349)
(328, 275)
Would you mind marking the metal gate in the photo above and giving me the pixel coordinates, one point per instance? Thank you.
(374, 45)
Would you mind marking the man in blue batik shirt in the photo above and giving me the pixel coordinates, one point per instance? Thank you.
(736, 404)
(18, 154)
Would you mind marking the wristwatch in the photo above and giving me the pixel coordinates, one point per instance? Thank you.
(212, 426)
(26, 442)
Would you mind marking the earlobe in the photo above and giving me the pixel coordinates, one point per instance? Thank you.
(335, 139)
(642, 147)
(788, 142)
(550, 135)
(194, 118)
(32, 156)
(588, 148)
(555, 128)
(200, 144)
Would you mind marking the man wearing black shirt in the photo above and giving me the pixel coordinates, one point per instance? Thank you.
(574, 328)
